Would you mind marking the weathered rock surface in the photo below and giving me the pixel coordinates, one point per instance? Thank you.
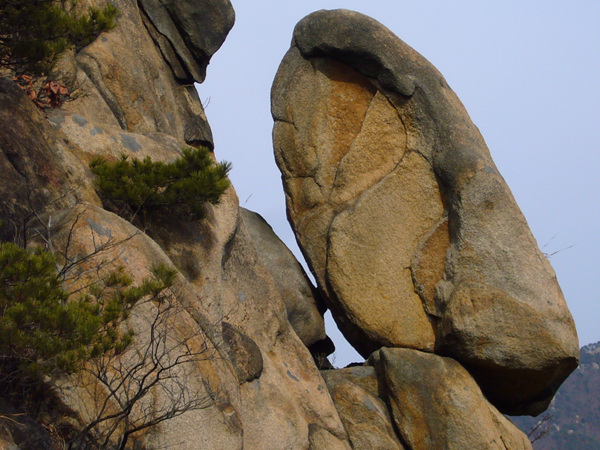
(296, 290)
(381, 140)
(256, 375)
(356, 394)
(24, 434)
(412, 399)
(411, 232)
(36, 164)
(436, 404)
(262, 387)
(188, 32)
(123, 81)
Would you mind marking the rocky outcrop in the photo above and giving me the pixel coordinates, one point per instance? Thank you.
(256, 380)
(36, 164)
(123, 80)
(415, 242)
(303, 312)
(188, 32)
(253, 373)
(404, 398)
(358, 398)
(435, 403)
(412, 234)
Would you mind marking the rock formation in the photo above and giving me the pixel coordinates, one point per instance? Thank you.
(415, 241)
(132, 93)
(303, 312)
(452, 411)
(356, 394)
(412, 234)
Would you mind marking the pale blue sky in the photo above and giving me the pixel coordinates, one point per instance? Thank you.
(528, 74)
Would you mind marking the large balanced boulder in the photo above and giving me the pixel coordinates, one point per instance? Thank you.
(411, 232)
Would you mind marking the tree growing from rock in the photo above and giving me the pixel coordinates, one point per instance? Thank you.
(42, 331)
(34, 33)
(146, 385)
(147, 188)
(65, 313)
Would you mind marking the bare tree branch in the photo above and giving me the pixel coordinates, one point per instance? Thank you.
(541, 429)
(148, 382)
(156, 368)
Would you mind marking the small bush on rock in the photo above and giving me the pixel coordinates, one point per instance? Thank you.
(179, 189)
(34, 33)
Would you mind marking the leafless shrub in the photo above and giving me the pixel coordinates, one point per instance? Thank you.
(124, 393)
(147, 384)
(541, 429)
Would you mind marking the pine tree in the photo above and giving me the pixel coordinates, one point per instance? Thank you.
(45, 331)
(179, 188)
(33, 33)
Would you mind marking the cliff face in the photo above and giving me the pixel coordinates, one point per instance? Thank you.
(132, 94)
(383, 163)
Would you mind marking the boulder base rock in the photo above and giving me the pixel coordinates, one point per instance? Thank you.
(411, 232)
(356, 394)
(436, 404)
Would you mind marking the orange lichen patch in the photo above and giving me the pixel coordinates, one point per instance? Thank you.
(430, 262)
(343, 106)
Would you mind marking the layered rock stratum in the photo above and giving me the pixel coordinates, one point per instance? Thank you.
(414, 239)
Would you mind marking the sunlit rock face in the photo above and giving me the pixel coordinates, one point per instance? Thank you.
(414, 239)
(356, 392)
(303, 307)
(412, 234)
(139, 77)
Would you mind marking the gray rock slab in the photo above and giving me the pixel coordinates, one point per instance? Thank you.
(365, 415)
(304, 312)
